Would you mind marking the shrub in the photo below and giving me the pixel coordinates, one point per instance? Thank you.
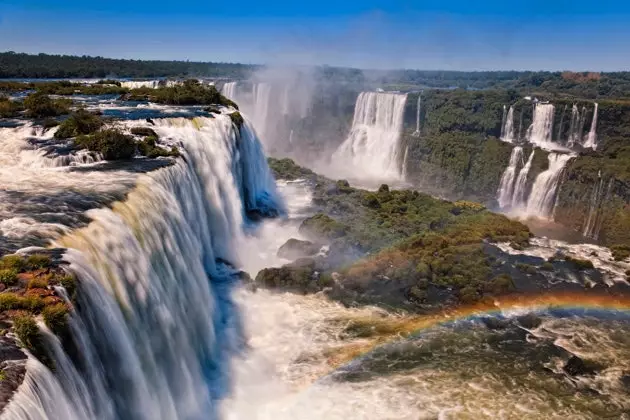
(547, 266)
(31, 338)
(40, 105)
(144, 131)
(38, 261)
(237, 119)
(50, 123)
(9, 108)
(38, 283)
(371, 200)
(112, 144)
(70, 284)
(9, 301)
(579, 263)
(500, 284)
(620, 252)
(149, 148)
(80, 122)
(13, 261)
(8, 276)
(32, 303)
(56, 318)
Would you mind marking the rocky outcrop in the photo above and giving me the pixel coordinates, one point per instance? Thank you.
(295, 248)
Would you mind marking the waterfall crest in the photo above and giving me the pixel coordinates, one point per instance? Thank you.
(372, 149)
(506, 187)
(540, 133)
(155, 326)
(542, 198)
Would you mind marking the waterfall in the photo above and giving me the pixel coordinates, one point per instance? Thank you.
(153, 84)
(574, 136)
(542, 198)
(591, 139)
(518, 199)
(580, 127)
(561, 125)
(506, 187)
(503, 121)
(155, 326)
(507, 130)
(229, 90)
(593, 211)
(373, 148)
(418, 108)
(540, 132)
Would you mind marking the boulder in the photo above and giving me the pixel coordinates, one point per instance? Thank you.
(295, 248)
(576, 366)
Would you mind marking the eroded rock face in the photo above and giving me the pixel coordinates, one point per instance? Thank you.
(579, 367)
(295, 248)
(12, 369)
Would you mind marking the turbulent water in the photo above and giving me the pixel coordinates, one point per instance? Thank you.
(372, 150)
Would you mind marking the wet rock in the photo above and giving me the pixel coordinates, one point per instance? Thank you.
(529, 321)
(12, 369)
(493, 323)
(576, 366)
(625, 380)
(295, 248)
(213, 109)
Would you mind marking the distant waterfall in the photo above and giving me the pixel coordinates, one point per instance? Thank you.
(593, 211)
(153, 84)
(506, 187)
(574, 136)
(372, 149)
(229, 90)
(155, 324)
(561, 125)
(520, 186)
(591, 138)
(507, 130)
(542, 198)
(418, 108)
(540, 132)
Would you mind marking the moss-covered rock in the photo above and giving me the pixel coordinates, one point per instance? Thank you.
(112, 144)
(79, 123)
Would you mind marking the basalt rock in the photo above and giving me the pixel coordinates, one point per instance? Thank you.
(295, 248)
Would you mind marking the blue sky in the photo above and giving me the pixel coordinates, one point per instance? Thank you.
(430, 34)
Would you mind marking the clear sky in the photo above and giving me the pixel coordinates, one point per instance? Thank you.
(384, 34)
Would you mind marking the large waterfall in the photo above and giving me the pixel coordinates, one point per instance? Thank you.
(155, 326)
(506, 187)
(591, 138)
(418, 109)
(138, 84)
(507, 128)
(372, 149)
(542, 198)
(540, 132)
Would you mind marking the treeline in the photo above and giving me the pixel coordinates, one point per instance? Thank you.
(17, 65)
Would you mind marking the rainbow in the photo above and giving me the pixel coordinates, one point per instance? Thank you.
(601, 305)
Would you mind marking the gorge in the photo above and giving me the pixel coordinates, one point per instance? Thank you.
(195, 278)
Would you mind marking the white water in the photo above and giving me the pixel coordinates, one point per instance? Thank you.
(575, 137)
(505, 192)
(229, 90)
(507, 129)
(156, 325)
(372, 149)
(540, 133)
(542, 198)
(153, 84)
(418, 109)
(591, 138)
(520, 186)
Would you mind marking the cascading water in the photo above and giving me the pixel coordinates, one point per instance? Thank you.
(506, 187)
(153, 84)
(154, 324)
(540, 132)
(575, 137)
(229, 90)
(507, 131)
(372, 149)
(591, 138)
(542, 198)
(518, 199)
(589, 227)
(418, 108)
(561, 125)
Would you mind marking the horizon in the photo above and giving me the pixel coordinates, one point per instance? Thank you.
(372, 35)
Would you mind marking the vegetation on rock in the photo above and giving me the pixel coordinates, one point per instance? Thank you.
(80, 122)
(40, 105)
(191, 92)
(112, 144)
